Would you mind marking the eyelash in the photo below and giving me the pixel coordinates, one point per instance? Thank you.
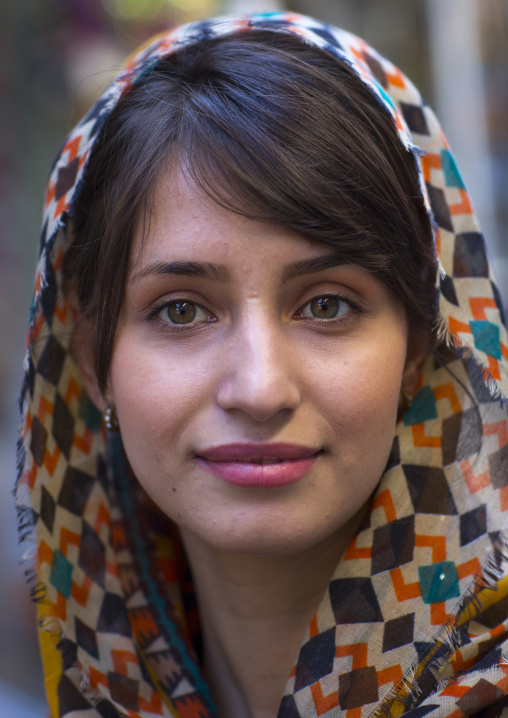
(171, 326)
(354, 308)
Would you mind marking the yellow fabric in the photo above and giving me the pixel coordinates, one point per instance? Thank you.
(51, 660)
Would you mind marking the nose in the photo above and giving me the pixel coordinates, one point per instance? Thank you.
(258, 375)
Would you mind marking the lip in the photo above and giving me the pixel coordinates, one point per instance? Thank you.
(239, 463)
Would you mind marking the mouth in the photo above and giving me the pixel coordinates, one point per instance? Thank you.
(259, 465)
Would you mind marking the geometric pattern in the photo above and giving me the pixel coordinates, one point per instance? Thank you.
(316, 659)
(415, 618)
(473, 524)
(398, 632)
(354, 600)
(358, 687)
(429, 490)
(393, 544)
(439, 582)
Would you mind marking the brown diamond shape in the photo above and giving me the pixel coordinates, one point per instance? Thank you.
(398, 632)
(482, 694)
(498, 466)
(358, 688)
(38, 441)
(124, 690)
(63, 425)
(429, 490)
(66, 177)
(393, 544)
(52, 360)
(376, 68)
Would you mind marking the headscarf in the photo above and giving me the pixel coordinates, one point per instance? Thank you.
(415, 617)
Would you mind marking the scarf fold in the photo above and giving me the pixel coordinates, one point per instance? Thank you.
(415, 619)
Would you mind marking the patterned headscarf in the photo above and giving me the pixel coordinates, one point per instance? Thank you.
(415, 616)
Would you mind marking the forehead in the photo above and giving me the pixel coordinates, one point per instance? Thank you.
(182, 223)
(189, 238)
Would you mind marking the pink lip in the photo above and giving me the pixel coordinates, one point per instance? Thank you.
(238, 463)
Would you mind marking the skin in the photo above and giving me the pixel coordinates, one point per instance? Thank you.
(255, 365)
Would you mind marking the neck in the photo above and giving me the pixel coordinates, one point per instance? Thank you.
(254, 613)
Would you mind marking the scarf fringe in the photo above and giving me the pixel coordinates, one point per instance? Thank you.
(468, 354)
(449, 638)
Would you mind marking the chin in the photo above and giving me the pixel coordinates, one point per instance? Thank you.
(267, 538)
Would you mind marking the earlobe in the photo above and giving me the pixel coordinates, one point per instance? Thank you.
(416, 355)
(83, 352)
(411, 377)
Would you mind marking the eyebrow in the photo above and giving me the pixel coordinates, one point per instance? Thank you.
(203, 270)
(309, 266)
(218, 272)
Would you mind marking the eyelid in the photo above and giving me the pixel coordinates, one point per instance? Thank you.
(353, 306)
(158, 308)
(330, 287)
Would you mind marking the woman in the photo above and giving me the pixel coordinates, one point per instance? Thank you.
(263, 386)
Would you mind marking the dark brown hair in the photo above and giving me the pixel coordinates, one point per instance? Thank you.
(271, 128)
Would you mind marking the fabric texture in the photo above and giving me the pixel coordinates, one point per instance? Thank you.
(415, 620)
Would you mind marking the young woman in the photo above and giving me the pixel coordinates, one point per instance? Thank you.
(265, 456)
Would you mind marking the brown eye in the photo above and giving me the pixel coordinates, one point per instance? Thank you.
(325, 307)
(180, 312)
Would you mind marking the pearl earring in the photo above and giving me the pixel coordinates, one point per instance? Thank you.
(111, 419)
(407, 399)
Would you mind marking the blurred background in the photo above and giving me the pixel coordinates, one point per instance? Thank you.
(55, 58)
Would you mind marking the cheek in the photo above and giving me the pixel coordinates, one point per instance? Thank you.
(156, 399)
(361, 401)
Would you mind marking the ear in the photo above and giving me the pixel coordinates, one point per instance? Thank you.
(418, 350)
(83, 352)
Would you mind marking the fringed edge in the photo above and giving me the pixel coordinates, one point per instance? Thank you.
(470, 606)
(67, 651)
(25, 514)
(467, 353)
(493, 565)
(448, 639)
(72, 667)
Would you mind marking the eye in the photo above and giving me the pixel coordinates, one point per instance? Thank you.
(182, 312)
(325, 307)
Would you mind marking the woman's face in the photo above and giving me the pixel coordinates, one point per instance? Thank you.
(256, 379)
